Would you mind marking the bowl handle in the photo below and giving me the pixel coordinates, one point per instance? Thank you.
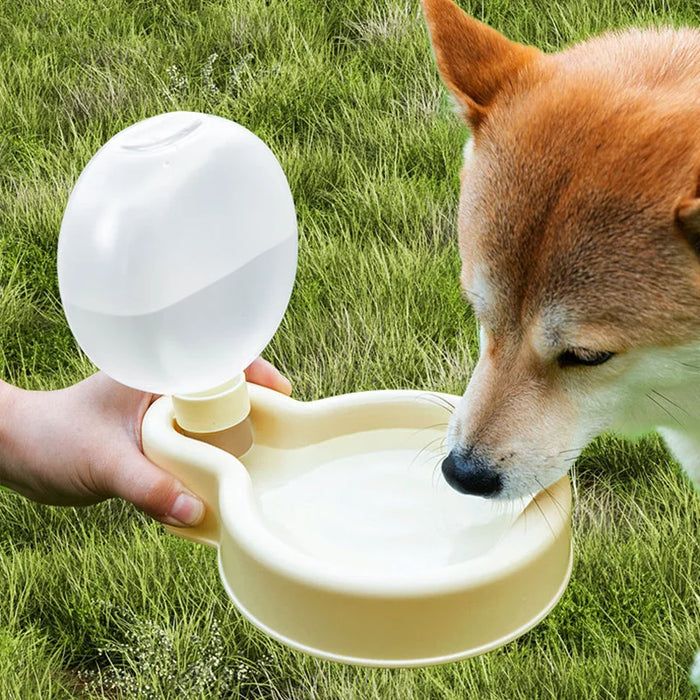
(197, 465)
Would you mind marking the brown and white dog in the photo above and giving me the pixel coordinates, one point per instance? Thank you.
(579, 232)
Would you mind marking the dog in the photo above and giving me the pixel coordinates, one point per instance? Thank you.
(579, 235)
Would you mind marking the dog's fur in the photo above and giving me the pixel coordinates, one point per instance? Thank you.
(579, 229)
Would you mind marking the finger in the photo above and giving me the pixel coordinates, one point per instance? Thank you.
(154, 491)
(264, 373)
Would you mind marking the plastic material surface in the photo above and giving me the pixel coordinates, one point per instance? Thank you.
(213, 410)
(177, 252)
(338, 535)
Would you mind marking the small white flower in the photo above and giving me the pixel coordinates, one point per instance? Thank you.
(207, 80)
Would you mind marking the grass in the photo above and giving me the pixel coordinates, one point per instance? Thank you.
(100, 602)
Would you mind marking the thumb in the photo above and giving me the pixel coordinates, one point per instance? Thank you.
(154, 491)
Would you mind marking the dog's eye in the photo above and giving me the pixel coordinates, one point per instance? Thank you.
(580, 356)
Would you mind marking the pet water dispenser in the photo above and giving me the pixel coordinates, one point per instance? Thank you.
(336, 532)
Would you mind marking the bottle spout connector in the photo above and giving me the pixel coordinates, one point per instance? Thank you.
(218, 416)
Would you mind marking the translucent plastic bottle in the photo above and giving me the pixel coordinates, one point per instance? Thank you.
(177, 252)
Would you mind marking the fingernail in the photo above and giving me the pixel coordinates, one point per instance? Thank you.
(187, 510)
(286, 386)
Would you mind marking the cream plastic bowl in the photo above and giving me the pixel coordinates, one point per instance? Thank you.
(338, 536)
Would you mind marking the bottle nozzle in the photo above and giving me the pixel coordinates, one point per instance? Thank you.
(218, 416)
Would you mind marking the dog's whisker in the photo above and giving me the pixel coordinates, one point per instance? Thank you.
(577, 450)
(430, 450)
(546, 519)
(430, 427)
(437, 400)
(671, 402)
(556, 502)
(573, 449)
(663, 408)
(474, 293)
(687, 364)
(429, 446)
(437, 473)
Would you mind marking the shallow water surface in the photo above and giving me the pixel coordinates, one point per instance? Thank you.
(386, 509)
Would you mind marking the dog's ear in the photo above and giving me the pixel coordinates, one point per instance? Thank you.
(475, 61)
(688, 220)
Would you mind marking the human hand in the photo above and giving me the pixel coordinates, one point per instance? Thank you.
(82, 444)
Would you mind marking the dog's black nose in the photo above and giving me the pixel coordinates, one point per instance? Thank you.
(468, 473)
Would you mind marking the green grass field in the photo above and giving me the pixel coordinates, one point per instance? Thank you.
(101, 602)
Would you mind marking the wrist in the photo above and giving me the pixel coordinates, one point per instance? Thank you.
(10, 442)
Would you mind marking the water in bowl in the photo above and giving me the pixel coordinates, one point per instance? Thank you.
(386, 510)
